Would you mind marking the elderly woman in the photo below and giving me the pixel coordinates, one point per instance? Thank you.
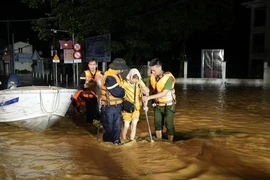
(134, 88)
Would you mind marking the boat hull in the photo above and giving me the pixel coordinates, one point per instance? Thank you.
(34, 107)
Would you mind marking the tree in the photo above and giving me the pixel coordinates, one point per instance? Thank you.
(140, 29)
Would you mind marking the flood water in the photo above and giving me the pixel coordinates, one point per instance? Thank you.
(222, 133)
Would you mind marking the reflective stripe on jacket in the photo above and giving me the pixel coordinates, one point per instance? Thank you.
(106, 97)
(158, 86)
(89, 75)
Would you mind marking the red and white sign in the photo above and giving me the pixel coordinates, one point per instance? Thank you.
(77, 47)
(77, 55)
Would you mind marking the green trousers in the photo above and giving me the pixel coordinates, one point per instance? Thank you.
(164, 115)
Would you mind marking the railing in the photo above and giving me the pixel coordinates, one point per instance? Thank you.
(62, 79)
(193, 71)
(232, 71)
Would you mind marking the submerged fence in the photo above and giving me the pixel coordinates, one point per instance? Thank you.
(192, 70)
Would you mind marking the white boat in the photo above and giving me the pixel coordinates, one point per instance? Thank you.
(34, 107)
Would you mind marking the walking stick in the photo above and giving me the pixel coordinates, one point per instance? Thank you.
(147, 120)
(149, 129)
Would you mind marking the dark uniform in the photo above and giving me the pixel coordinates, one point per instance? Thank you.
(112, 95)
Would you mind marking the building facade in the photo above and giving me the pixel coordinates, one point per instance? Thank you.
(259, 46)
(22, 57)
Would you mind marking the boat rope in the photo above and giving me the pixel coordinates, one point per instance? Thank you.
(55, 104)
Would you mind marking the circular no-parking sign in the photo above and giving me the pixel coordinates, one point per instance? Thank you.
(77, 55)
(77, 47)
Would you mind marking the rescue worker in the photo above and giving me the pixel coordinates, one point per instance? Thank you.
(162, 85)
(90, 84)
(112, 95)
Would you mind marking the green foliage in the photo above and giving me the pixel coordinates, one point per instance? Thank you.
(139, 29)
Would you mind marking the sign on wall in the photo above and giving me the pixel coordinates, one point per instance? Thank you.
(212, 63)
(68, 56)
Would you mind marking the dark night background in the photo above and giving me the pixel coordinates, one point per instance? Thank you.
(16, 19)
(235, 43)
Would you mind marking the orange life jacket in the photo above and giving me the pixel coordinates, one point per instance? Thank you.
(106, 97)
(158, 86)
(77, 99)
(88, 77)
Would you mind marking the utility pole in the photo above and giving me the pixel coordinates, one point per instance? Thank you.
(12, 56)
(8, 49)
(73, 66)
(54, 53)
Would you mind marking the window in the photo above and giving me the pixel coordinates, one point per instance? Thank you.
(258, 43)
(260, 16)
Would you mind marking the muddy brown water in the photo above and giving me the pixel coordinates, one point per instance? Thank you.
(222, 133)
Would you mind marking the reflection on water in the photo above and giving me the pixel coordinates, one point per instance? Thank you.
(222, 133)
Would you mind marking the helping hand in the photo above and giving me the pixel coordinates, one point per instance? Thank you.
(145, 98)
(145, 108)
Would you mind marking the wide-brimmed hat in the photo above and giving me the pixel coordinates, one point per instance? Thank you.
(118, 64)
